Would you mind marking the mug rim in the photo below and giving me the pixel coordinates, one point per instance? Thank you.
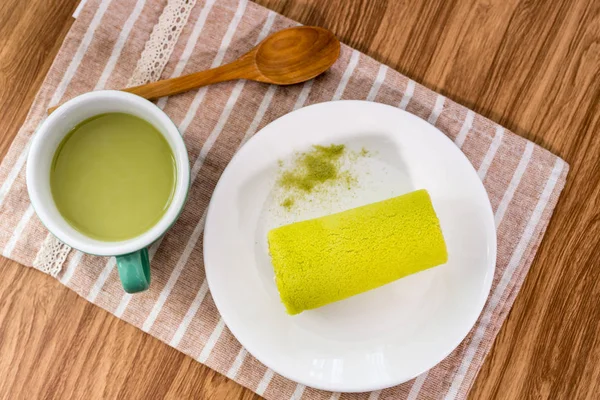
(84, 243)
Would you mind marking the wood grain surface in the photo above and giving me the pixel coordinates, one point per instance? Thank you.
(531, 65)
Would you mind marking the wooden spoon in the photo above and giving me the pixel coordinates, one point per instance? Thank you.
(286, 57)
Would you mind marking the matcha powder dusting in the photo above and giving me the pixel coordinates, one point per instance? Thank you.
(313, 171)
(313, 167)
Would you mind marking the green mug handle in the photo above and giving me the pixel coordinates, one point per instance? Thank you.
(134, 271)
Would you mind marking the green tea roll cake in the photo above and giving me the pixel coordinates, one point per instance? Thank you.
(327, 259)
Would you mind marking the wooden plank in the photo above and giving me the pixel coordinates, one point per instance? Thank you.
(533, 66)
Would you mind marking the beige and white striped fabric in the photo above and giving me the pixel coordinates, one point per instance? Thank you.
(105, 49)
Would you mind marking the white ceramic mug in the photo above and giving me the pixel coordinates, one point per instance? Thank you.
(132, 254)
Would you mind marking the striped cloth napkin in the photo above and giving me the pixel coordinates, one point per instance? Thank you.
(114, 43)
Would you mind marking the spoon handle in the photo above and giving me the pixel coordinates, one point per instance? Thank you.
(242, 68)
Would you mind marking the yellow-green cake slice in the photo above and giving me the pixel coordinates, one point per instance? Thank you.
(331, 258)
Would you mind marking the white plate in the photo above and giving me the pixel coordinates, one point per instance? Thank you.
(380, 338)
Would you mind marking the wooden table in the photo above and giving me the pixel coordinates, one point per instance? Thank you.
(533, 66)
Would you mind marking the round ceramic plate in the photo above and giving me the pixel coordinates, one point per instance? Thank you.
(380, 338)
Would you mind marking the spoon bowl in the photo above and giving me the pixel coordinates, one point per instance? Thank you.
(296, 55)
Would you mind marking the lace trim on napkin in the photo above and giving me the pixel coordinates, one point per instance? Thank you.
(158, 49)
(51, 256)
(162, 42)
